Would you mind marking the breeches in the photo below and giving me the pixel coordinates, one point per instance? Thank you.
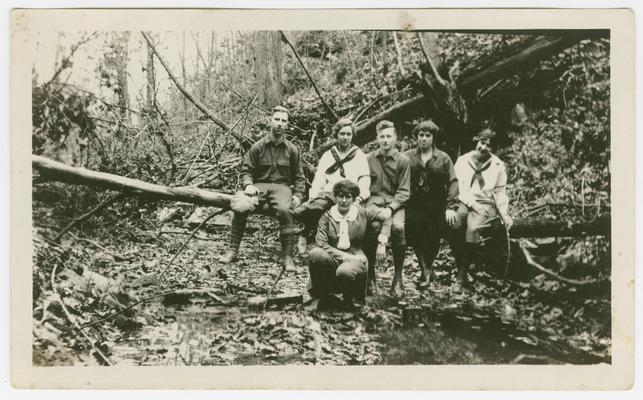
(393, 228)
(476, 224)
(276, 198)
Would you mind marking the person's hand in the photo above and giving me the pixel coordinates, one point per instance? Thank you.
(451, 217)
(295, 202)
(480, 209)
(380, 253)
(251, 190)
(385, 213)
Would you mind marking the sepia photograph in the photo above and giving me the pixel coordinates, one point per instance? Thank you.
(409, 196)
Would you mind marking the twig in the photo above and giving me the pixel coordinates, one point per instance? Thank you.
(122, 310)
(168, 147)
(186, 233)
(283, 269)
(582, 194)
(191, 98)
(328, 107)
(75, 321)
(65, 62)
(349, 51)
(105, 249)
(83, 217)
(188, 240)
(187, 174)
(399, 53)
(551, 273)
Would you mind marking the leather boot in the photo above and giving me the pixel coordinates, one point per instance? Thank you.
(287, 246)
(237, 227)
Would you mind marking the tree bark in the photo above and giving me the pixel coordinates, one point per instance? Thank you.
(151, 79)
(121, 60)
(268, 59)
(55, 170)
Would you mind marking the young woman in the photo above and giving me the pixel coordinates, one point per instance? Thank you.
(338, 263)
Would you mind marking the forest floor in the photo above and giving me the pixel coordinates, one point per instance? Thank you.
(197, 312)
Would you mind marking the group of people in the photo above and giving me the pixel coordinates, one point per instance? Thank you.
(360, 204)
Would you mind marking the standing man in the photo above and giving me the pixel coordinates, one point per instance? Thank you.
(270, 168)
(342, 161)
(390, 189)
(434, 198)
(482, 181)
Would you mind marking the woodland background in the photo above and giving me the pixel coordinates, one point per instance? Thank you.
(104, 101)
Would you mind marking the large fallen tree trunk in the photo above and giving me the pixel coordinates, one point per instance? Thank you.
(483, 72)
(539, 228)
(58, 171)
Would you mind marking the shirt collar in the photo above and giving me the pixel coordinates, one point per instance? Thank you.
(273, 140)
(350, 215)
(391, 154)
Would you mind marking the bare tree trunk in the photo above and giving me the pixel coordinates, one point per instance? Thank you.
(151, 79)
(184, 76)
(122, 59)
(267, 67)
(398, 51)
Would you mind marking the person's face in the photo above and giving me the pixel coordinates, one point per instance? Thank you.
(344, 137)
(279, 122)
(344, 202)
(425, 140)
(483, 148)
(386, 139)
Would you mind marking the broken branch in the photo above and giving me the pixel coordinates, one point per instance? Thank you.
(191, 98)
(328, 107)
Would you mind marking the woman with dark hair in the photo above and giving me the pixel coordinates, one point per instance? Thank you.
(342, 161)
(338, 263)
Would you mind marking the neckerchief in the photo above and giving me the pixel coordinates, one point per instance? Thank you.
(344, 241)
(477, 173)
(339, 162)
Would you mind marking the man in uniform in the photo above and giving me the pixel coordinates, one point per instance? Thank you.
(270, 168)
(390, 189)
(482, 179)
(434, 198)
(342, 161)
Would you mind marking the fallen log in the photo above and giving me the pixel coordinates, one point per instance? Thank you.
(58, 171)
(560, 228)
(484, 71)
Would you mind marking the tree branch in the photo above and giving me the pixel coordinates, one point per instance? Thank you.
(88, 214)
(328, 107)
(243, 141)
